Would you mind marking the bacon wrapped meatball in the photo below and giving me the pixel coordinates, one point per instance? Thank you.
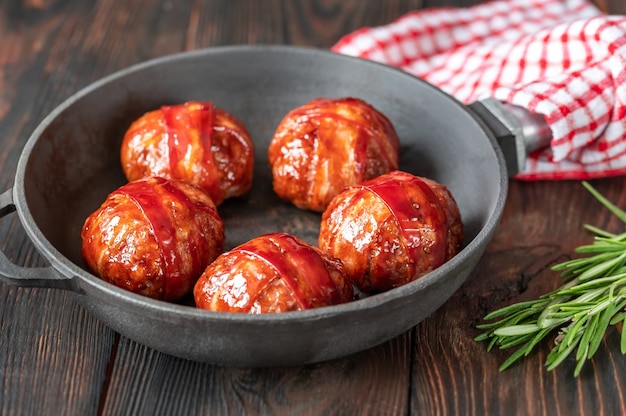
(272, 273)
(327, 144)
(195, 142)
(154, 237)
(391, 230)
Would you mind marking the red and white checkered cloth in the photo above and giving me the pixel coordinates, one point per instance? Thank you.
(564, 59)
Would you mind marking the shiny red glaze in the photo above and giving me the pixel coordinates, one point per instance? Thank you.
(272, 273)
(322, 147)
(195, 142)
(154, 237)
(192, 131)
(160, 224)
(391, 230)
(411, 211)
(453, 217)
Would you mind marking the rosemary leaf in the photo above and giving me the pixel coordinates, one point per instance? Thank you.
(582, 353)
(554, 323)
(619, 314)
(622, 345)
(618, 317)
(556, 357)
(512, 359)
(572, 332)
(588, 333)
(579, 364)
(569, 308)
(614, 242)
(599, 248)
(608, 204)
(600, 283)
(603, 324)
(538, 337)
(603, 268)
(598, 231)
(515, 330)
(600, 307)
(507, 342)
(507, 310)
(583, 263)
(591, 298)
(492, 344)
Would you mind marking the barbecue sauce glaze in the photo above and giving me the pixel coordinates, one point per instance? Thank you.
(195, 142)
(327, 144)
(275, 272)
(391, 230)
(154, 237)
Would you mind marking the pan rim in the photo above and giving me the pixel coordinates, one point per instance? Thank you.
(121, 297)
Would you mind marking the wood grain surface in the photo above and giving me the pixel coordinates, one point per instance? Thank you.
(55, 359)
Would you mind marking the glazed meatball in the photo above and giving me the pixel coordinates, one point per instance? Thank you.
(327, 144)
(391, 230)
(154, 237)
(272, 273)
(195, 142)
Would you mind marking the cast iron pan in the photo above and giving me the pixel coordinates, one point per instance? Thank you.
(71, 162)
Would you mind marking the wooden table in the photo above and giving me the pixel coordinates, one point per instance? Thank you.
(56, 359)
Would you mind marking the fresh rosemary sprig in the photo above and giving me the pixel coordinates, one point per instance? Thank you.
(592, 297)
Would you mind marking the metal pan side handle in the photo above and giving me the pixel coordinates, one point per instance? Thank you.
(16, 275)
(517, 130)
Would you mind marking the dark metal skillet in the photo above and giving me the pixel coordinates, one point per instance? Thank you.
(71, 162)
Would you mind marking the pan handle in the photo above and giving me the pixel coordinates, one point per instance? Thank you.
(16, 275)
(517, 130)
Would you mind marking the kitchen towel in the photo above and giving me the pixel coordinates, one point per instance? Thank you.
(564, 59)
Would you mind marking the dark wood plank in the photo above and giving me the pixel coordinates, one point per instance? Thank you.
(305, 23)
(53, 356)
(617, 7)
(373, 382)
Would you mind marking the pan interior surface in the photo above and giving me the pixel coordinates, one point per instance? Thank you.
(72, 161)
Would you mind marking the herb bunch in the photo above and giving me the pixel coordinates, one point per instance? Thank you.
(591, 298)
